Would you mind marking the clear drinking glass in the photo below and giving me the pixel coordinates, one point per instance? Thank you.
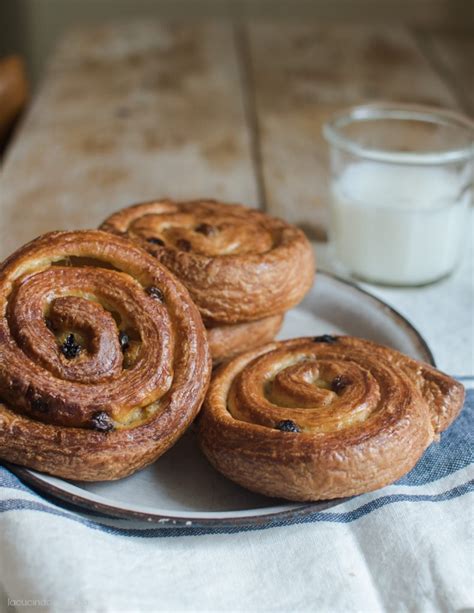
(401, 184)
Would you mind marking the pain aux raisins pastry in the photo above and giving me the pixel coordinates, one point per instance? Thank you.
(242, 268)
(326, 417)
(103, 357)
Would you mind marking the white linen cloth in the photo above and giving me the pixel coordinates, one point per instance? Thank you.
(407, 547)
(403, 548)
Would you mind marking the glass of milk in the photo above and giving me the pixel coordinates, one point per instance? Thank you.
(401, 184)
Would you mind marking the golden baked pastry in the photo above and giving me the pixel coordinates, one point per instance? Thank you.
(324, 417)
(227, 341)
(103, 357)
(238, 263)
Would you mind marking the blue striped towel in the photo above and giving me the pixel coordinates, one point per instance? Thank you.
(418, 530)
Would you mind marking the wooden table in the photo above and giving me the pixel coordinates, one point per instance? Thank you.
(134, 111)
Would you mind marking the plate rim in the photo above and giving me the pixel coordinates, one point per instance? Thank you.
(404, 322)
(168, 520)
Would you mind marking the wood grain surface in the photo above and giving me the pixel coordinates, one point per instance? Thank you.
(132, 111)
(304, 73)
(127, 113)
(452, 54)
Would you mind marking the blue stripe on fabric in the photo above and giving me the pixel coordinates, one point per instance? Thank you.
(8, 479)
(454, 451)
(11, 481)
(346, 517)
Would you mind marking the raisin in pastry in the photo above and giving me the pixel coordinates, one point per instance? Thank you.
(104, 359)
(326, 417)
(239, 265)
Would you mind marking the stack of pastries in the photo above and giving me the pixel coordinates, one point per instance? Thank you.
(107, 340)
(242, 268)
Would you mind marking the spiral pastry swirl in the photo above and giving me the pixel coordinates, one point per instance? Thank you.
(103, 356)
(325, 417)
(238, 264)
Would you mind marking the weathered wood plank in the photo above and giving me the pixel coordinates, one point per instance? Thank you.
(302, 74)
(452, 54)
(127, 113)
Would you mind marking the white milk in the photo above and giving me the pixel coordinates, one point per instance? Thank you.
(399, 224)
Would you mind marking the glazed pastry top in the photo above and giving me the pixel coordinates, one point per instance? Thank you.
(330, 384)
(205, 228)
(238, 263)
(323, 417)
(93, 333)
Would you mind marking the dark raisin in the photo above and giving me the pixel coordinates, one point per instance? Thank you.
(288, 426)
(124, 340)
(156, 241)
(70, 349)
(325, 338)
(102, 422)
(183, 244)
(339, 383)
(206, 229)
(39, 404)
(155, 292)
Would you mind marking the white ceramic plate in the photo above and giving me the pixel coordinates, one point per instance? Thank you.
(181, 488)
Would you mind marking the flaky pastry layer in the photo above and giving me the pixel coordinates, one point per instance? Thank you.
(238, 264)
(103, 356)
(227, 341)
(324, 417)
